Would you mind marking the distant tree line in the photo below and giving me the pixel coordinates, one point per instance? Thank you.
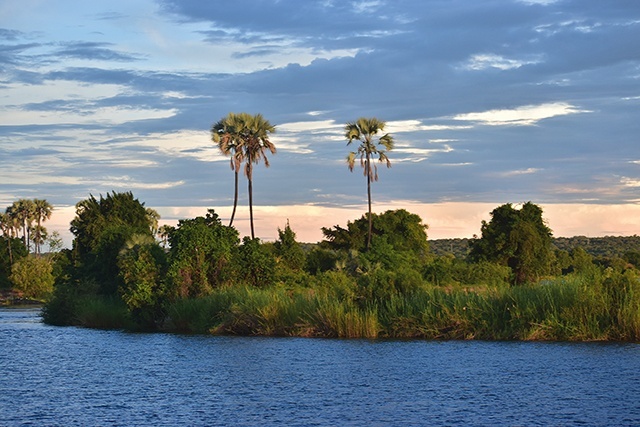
(23, 235)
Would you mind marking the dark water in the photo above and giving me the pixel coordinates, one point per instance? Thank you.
(71, 376)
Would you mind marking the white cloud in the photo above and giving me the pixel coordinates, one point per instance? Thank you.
(518, 172)
(310, 126)
(126, 182)
(521, 116)
(483, 61)
(104, 115)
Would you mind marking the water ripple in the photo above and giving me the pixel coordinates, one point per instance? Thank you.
(78, 377)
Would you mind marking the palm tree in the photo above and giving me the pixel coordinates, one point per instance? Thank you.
(152, 216)
(8, 231)
(23, 212)
(227, 134)
(42, 211)
(163, 233)
(364, 130)
(256, 144)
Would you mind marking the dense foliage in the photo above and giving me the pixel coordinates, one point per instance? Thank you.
(518, 239)
(124, 271)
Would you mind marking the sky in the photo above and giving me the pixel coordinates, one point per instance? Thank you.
(489, 102)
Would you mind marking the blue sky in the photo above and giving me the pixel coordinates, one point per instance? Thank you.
(489, 102)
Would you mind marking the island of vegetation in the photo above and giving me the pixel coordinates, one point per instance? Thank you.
(378, 277)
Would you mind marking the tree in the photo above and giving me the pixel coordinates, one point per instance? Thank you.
(8, 229)
(163, 233)
(244, 137)
(228, 135)
(288, 249)
(256, 144)
(101, 227)
(142, 263)
(42, 211)
(23, 212)
(200, 255)
(364, 130)
(33, 276)
(153, 216)
(403, 230)
(256, 264)
(519, 239)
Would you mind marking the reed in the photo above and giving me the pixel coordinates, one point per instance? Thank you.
(101, 313)
(569, 308)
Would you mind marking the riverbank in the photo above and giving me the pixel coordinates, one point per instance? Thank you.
(567, 309)
(9, 297)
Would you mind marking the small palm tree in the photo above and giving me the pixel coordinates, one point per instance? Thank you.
(8, 231)
(42, 211)
(227, 134)
(364, 130)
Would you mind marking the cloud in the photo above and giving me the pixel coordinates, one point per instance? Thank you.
(479, 62)
(521, 116)
(542, 93)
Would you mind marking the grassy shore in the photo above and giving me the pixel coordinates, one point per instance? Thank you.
(569, 308)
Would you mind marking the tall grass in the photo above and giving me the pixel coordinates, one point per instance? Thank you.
(605, 306)
(101, 313)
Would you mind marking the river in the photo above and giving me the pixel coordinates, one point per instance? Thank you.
(53, 376)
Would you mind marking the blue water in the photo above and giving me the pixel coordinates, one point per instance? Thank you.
(51, 376)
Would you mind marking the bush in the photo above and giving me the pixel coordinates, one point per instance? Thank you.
(33, 276)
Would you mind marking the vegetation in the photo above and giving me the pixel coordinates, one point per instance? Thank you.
(379, 276)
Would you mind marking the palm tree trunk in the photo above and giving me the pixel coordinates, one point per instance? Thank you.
(9, 239)
(368, 167)
(38, 236)
(251, 203)
(235, 200)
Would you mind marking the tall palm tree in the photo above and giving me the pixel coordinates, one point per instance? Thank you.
(255, 146)
(227, 134)
(41, 211)
(364, 130)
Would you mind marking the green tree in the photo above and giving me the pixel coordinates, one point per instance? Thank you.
(402, 230)
(256, 264)
(101, 227)
(33, 276)
(288, 250)
(228, 135)
(519, 239)
(11, 251)
(200, 255)
(364, 130)
(142, 263)
(8, 229)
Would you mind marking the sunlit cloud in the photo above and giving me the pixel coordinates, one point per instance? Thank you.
(128, 183)
(518, 172)
(417, 154)
(483, 61)
(320, 126)
(630, 182)
(521, 116)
